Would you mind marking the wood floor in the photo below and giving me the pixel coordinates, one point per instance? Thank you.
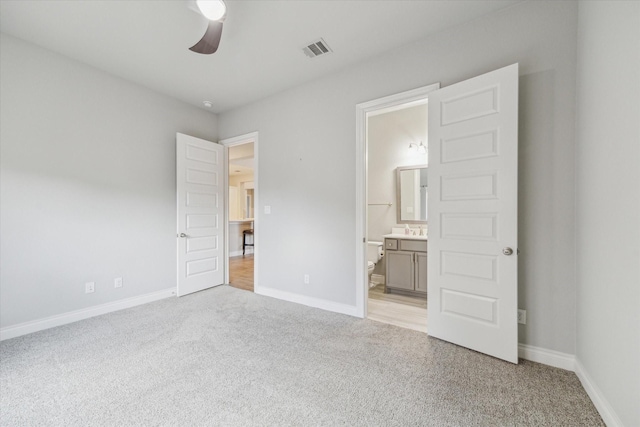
(398, 310)
(241, 272)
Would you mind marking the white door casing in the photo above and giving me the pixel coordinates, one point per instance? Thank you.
(472, 209)
(200, 199)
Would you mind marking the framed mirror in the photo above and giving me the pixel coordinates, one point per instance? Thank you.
(411, 194)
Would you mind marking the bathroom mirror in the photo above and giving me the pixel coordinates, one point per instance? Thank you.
(411, 194)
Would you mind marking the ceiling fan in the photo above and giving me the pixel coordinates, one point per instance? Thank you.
(215, 11)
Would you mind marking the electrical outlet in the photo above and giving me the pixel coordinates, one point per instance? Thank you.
(267, 210)
(117, 282)
(306, 279)
(89, 287)
(522, 316)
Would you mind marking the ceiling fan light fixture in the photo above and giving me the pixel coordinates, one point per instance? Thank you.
(213, 10)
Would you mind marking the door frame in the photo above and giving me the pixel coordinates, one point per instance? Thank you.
(226, 143)
(387, 103)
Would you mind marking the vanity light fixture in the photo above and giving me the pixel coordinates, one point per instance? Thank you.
(417, 149)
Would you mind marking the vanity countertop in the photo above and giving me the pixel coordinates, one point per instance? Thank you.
(240, 221)
(404, 236)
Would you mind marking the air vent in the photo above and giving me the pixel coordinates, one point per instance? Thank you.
(317, 48)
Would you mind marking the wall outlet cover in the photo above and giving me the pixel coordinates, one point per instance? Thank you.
(89, 287)
(117, 282)
(522, 316)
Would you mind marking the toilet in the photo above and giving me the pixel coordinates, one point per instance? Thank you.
(374, 254)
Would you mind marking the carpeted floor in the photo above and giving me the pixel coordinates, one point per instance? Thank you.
(228, 357)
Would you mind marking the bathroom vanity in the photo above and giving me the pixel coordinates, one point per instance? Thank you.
(406, 264)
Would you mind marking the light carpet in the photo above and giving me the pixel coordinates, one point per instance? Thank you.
(228, 357)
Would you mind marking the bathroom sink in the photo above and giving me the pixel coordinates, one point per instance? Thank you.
(398, 233)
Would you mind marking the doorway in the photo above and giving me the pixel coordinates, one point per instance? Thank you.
(376, 217)
(395, 138)
(241, 196)
(396, 194)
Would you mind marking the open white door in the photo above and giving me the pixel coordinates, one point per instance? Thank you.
(473, 194)
(200, 195)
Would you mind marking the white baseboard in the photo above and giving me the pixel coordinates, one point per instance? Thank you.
(335, 307)
(85, 313)
(239, 253)
(607, 413)
(547, 357)
(571, 363)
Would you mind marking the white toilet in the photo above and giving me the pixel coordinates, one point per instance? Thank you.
(374, 254)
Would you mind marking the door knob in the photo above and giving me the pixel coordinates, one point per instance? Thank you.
(507, 251)
(182, 235)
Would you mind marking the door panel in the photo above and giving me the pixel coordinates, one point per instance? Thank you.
(200, 208)
(472, 208)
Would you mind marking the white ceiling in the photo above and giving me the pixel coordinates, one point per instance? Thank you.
(241, 159)
(147, 41)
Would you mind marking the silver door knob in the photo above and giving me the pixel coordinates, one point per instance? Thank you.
(183, 235)
(507, 251)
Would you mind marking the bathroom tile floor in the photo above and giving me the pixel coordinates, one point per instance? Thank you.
(398, 310)
(377, 292)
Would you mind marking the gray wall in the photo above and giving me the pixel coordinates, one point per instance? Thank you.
(307, 159)
(608, 202)
(87, 184)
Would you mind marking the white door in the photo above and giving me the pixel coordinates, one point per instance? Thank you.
(200, 195)
(473, 190)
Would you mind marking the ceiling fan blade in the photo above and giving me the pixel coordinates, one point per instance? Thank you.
(211, 39)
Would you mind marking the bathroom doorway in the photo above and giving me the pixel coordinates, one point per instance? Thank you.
(395, 136)
(242, 196)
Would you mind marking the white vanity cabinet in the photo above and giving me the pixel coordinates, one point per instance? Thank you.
(406, 266)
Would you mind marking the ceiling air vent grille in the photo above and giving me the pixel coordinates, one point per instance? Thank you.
(317, 48)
